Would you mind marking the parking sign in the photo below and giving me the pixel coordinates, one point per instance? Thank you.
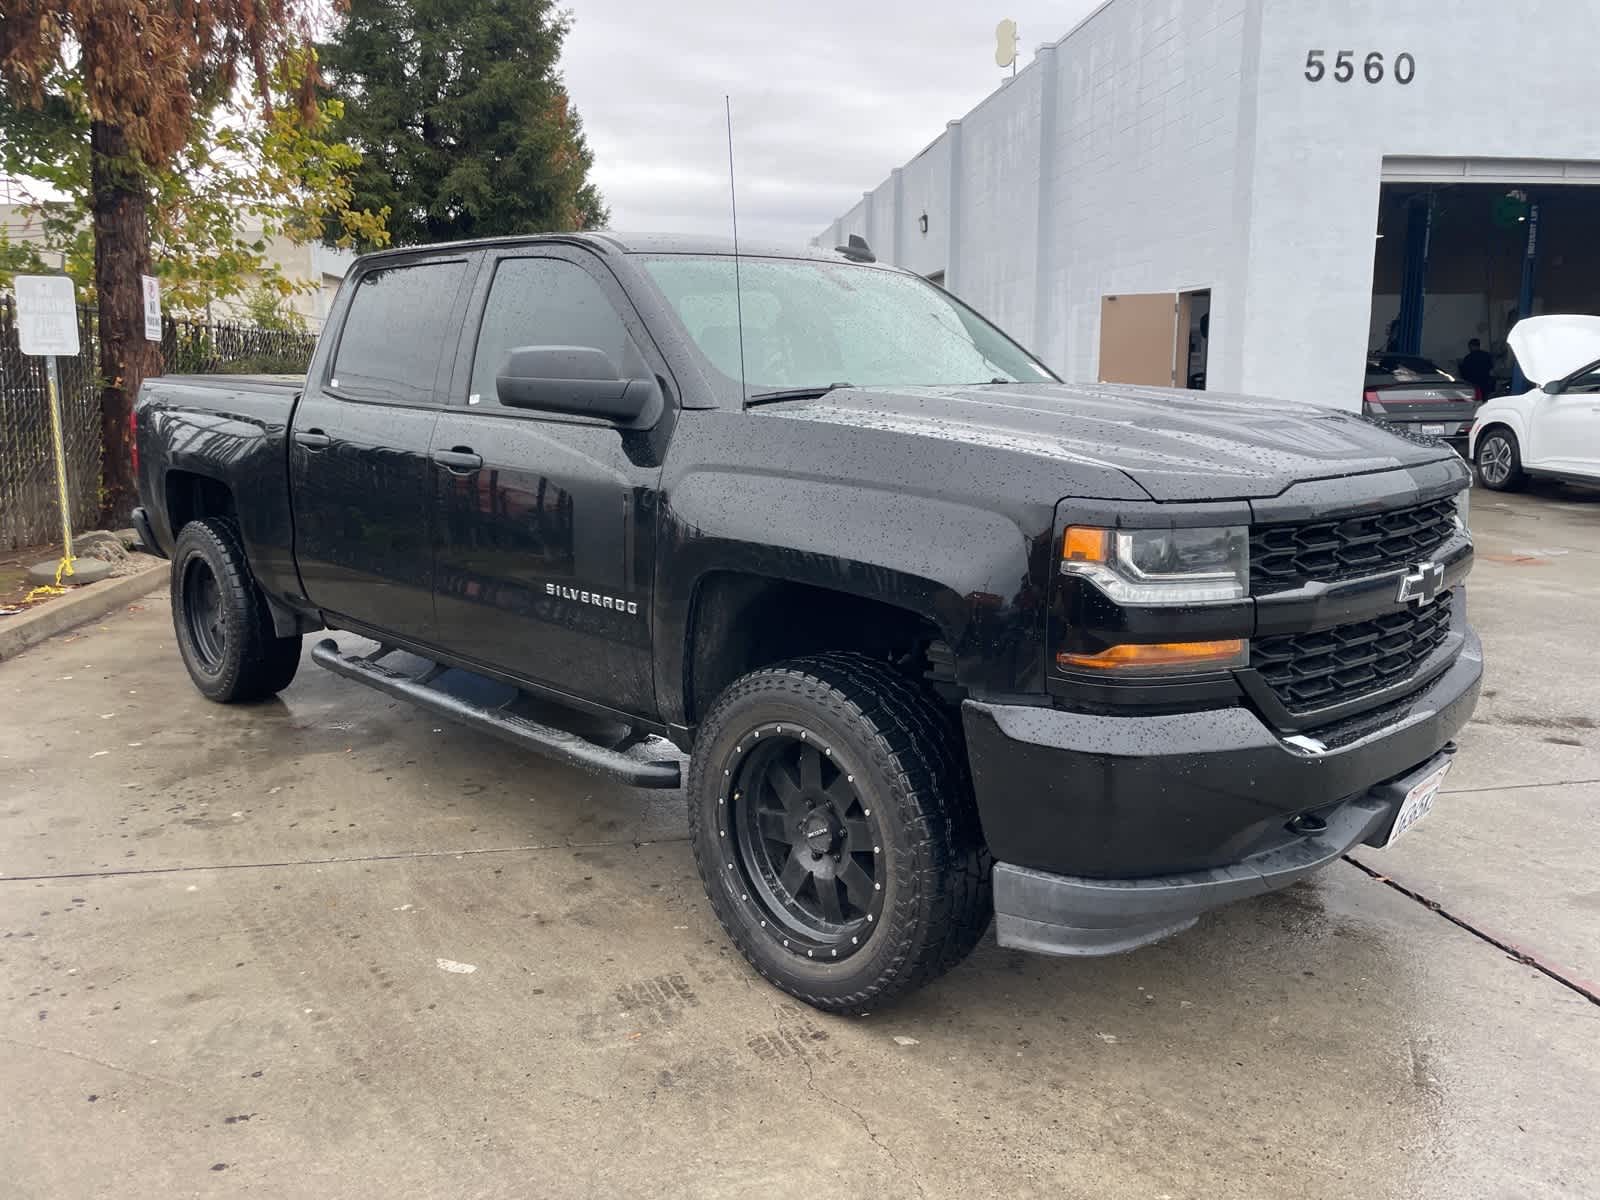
(152, 307)
(47, 315)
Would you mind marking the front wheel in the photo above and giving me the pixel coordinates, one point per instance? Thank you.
(1499, 461)
(224, 628)
(833, 823)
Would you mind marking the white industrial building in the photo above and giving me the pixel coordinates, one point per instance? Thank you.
(1254, 194)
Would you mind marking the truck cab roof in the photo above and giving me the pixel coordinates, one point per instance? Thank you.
(611, 242)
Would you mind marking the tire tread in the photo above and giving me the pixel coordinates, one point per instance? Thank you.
(264, 663)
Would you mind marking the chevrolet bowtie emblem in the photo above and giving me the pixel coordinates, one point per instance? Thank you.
(1422, 583)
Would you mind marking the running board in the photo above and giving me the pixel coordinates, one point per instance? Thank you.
(547, 740)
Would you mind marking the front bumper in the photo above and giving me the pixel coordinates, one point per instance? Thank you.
(1160, 818)
(1062, 914)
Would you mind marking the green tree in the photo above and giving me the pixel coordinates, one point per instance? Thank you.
(463, 123)
(138, 71)
(247, 176)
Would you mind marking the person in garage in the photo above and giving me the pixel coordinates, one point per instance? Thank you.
(1477, 368)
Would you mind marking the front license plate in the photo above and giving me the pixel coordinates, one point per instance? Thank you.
(1432, 429)
(1417, 804)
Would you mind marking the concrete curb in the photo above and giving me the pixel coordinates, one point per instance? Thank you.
(77, 607)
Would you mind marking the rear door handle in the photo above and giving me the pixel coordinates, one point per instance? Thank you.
(460, 459)
(312, 439)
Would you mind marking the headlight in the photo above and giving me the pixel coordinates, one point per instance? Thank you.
(1161, 566)
(1463, 504)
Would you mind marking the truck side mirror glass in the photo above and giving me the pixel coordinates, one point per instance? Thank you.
(576, 380)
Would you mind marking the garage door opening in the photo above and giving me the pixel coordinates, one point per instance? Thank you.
(1458, 263)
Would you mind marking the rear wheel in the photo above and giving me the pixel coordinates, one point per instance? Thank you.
(224, 628)
(1499, 460)
(834, 827)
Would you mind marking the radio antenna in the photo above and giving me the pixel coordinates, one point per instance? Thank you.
(738, 290)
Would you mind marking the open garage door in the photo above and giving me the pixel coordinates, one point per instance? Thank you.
(1467, 247)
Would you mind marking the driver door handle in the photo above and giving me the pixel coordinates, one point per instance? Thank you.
(461, 459)
(312, 439)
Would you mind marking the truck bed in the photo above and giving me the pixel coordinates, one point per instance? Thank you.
(279, 383)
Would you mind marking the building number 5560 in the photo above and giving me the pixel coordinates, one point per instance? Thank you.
(1344, 66)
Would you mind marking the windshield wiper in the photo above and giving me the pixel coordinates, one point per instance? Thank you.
(802, 393)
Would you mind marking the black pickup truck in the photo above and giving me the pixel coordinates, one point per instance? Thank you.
(940, 636)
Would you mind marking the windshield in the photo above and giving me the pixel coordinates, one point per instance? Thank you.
(808, 324)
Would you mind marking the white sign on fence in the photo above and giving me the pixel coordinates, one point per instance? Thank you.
(152, 308)
(47, 315)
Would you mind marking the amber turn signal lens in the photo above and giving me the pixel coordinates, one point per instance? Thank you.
(1158, 656)
(1080, 544)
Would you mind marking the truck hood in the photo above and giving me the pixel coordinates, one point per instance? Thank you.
(1175, 445)
(1553, 347)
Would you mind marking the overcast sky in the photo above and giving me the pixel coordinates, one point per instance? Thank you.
(826, 100)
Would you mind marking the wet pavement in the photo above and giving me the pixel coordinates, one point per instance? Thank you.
(331, 946)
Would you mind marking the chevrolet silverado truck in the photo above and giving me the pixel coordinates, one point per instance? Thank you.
(940, 637)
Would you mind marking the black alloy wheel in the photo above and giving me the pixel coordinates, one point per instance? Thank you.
(807, 848)
(202, 613)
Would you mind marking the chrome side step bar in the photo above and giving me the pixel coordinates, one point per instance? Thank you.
(635, 770)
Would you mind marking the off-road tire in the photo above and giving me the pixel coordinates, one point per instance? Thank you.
(245, 659)
(907, 756)
(1498, 458)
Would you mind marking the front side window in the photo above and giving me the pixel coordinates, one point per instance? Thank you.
(395, 332)
(1587, 382)
(812, 323)
(545, 302)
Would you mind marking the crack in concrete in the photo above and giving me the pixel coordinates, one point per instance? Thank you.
(405, 856)
(1560, 975)
(1512, 787)
(872, 1135)
(99, 1062)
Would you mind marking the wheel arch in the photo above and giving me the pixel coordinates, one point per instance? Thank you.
(1509, 421)
(739, 621)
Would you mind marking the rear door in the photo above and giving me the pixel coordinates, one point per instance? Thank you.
(359, 470)
(545, 527)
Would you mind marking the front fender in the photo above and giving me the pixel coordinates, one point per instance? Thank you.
(976, 574)
(1490, 415)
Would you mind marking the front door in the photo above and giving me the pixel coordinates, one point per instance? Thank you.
(545, 527)
(360, 476)
(1565, 428)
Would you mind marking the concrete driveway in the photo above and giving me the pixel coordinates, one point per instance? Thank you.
(329, 946)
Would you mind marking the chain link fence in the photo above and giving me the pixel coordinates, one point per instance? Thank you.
(29, 511)
(28, 508)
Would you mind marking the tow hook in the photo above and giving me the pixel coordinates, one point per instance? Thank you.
(1308, 825)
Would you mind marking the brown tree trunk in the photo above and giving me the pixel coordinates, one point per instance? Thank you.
(121, 255)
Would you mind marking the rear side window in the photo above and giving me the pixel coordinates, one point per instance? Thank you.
(395, 332)
(545, 302)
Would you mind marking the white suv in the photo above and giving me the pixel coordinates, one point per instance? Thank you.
(1553, 430)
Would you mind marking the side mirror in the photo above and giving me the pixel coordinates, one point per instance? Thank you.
(576, 380)
(1554, 387)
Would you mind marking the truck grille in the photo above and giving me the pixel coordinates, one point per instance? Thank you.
(1316, 670)
(1285, 556)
